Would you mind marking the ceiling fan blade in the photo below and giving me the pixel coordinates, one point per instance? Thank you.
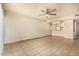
(53, 10)
(53, 14)
(47, 10)
(43, 11)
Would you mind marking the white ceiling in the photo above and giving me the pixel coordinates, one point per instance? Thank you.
(33, 9)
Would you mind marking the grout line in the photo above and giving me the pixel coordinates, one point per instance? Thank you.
(36, 52)
(71, 49)
(58, 48)
(25, 51)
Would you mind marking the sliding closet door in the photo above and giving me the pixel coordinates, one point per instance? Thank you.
(1, 29)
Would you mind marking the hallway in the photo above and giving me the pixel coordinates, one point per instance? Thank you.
(44, 46)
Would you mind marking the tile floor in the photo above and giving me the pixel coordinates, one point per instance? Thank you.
(45, 46)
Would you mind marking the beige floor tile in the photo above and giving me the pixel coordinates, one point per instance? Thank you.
(30, 52)
(74, 53)
(8, 50)
(44, 46)
(18, 51)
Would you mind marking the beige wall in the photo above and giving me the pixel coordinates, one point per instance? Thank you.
(22, 21)
(20, 27)
(2, 37)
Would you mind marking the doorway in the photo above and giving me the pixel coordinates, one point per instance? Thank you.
(76, 29)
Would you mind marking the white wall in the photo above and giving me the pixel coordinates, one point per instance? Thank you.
(68, 29)
(1, 30)
(20, 27)
(67, 12)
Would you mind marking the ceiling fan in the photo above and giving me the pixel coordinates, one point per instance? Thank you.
(48, 12)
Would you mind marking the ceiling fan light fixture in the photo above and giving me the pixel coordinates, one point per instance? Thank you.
(48, 12)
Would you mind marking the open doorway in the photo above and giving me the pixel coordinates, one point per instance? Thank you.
(76, 29)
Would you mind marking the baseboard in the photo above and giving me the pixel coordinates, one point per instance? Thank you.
(26, 39)
(38, 38)
(58, 36)
(62, 37)
(68, 38)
